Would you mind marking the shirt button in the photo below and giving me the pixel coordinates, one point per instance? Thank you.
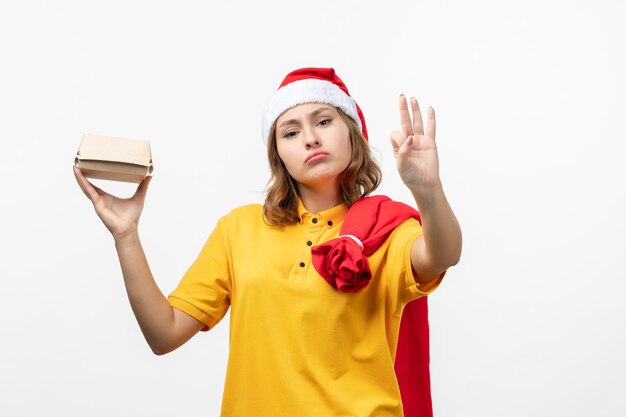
(330, 223)
(302, 264)
(314, 220)
(309, 243)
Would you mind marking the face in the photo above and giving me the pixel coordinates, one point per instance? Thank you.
(314, 143)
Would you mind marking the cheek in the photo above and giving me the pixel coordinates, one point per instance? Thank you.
(347, 158)
(286, 156)
(347, 148)
(281, 151)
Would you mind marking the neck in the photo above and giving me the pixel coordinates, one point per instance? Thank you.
(316, 198)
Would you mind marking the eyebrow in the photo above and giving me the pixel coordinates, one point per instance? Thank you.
(296, 121)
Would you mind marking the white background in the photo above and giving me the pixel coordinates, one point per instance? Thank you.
(530, 108)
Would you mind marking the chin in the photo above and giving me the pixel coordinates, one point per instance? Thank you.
(319, 176)
(318, 180)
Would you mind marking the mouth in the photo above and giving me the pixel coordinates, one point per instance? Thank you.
(316, 156)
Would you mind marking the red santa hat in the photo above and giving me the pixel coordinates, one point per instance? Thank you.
(310, 85)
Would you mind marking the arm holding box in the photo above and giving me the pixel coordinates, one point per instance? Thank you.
(164, 328)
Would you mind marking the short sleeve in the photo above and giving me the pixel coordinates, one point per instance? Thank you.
(401, 243)
(204, 291)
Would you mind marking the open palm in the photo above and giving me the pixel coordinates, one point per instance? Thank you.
(415, 151)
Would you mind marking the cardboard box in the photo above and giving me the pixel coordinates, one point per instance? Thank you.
(114, 159)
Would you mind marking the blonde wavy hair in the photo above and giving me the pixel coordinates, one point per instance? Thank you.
(360, 178)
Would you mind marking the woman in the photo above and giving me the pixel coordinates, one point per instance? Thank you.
(316, 278)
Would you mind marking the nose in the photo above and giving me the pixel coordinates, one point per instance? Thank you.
(310, 138)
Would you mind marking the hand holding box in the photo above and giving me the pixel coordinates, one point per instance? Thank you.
(115, 159)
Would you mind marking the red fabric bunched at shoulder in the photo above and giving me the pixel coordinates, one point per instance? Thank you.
(343, 263)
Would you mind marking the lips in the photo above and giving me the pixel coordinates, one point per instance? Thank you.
(316, 156)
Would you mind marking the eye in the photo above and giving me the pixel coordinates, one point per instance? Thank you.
(290, 134)
(326, 122)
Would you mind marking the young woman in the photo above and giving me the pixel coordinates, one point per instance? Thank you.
(317, 278)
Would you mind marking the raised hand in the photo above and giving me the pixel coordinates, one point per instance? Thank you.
(416, 151)
(119, 215)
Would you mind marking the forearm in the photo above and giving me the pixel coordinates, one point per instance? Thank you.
(442, 233)
(153, 312)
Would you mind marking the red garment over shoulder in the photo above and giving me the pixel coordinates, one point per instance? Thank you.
(413, 360)
(343, 263)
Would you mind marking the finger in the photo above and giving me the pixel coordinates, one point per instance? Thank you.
(85, 185)
(405, 117)
(99, 190)
(431, 127)
(418, 126)
(406, 146)
(142, 189)
(397, 139)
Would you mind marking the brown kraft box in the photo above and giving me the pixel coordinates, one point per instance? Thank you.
(115, 159)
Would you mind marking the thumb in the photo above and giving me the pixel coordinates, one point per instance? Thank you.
(142, 189)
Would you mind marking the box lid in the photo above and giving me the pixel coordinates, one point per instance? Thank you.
(105, 148)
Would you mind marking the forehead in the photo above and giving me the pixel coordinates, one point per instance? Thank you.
(303, 110)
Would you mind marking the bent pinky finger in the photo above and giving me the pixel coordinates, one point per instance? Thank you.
(406, 146)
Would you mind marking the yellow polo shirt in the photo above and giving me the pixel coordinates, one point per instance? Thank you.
(298, 347)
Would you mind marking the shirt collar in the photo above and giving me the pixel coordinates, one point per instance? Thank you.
(334, 215)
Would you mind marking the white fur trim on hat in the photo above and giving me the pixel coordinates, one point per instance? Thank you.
(309, 90)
